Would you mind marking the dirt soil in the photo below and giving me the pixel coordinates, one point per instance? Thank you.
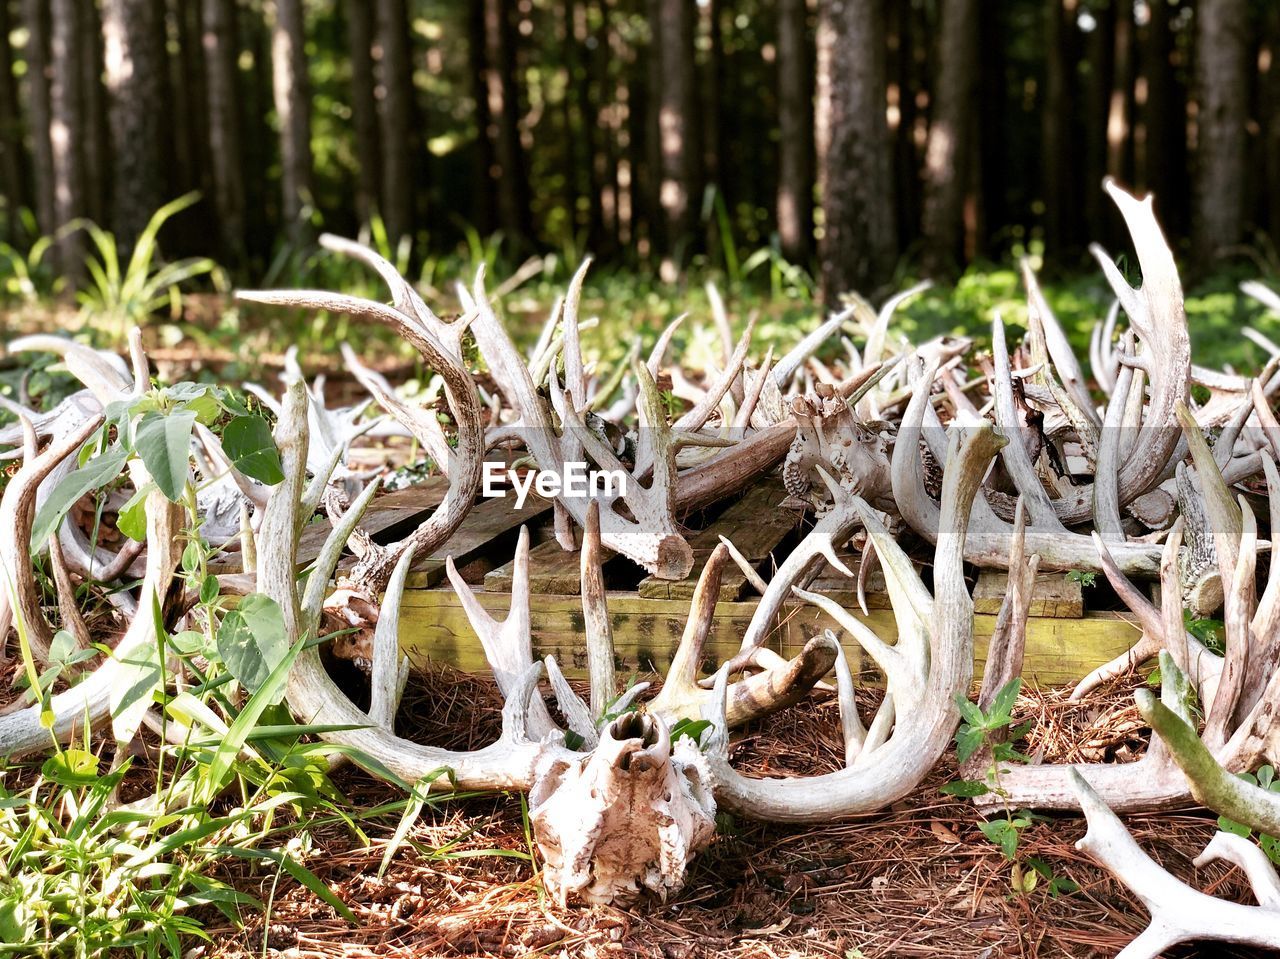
(919, 879)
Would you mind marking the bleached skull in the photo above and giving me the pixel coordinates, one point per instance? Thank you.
(626, 817)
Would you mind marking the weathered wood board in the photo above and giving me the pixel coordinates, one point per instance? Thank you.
(1054, 595)
(755, 524)
(486, 521)
(434, 628)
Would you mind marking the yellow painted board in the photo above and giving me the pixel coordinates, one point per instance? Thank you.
(434, 628)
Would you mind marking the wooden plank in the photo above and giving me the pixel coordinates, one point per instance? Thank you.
(755, 524)
(488, 520)
(402, 506)
(434, 628)
(552, 569)
(1054, 595)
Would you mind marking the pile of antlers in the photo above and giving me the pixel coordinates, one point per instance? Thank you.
(1018, 467)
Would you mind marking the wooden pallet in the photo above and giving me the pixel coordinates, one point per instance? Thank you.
(1065, 640)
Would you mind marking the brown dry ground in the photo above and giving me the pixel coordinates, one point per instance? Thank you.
(916, 880)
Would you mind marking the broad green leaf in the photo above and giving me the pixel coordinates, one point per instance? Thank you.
(970, 711)
(209, 589)
(164, 443)
(1233, 827)
(73, 768)
(965, 788)
(252, 640)
(98, 472)
(132, 518)
(269, 693)
(1004, 834)
(968, 742)
(248, 444)
(1002, 705)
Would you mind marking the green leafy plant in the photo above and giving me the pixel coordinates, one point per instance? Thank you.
(994, 730)
(1085, 578)
(124, 295)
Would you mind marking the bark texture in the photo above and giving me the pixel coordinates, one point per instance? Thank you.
(950, 130)
(218, 22)
(135, 63)
(1222, 87)
(795, 132)
(859, 239)
(292, 96)
(396, 116)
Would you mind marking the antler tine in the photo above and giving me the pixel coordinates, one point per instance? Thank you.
(1014, 454)
(508, 645)
(786, 367)
(17, 516)
(93, 701)
(834, 527)
(312, 694)
(595, 615)
(1252, 861)
(1106, 492)
(390, 670)
(680, 692)
(1178, 912)
(422, 424)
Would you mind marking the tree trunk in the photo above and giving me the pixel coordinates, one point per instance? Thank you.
(394, 73)
(66, 119)
(93, 133)
(950, 129)
(678, 141)
(11, 154)
(292, 95)
(1120, 159)
(192, 94)
(859, 238)
(1164, 114)
(135, 64)
(1222, 94)
(1270, 99)
(36, 17)
(364, 107)
(509, 178)
(1055, 122)
(225, 157)
(1101, 60)
(795, 132)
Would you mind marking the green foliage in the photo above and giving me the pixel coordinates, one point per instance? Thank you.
(994, 729)
(123, 295)
(1085, 578)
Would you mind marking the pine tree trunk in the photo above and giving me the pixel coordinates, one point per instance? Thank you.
(950, 128)
(795, 132)
(190, 79)
(135, 64)
(394, 75)
(292, 95)
(1164, 128)
(1054, 120)
(1120, 157)
(364, 108)
(859, 239)
(1270, 97)
(226, 161)
(36, 17)
(678, 140)
(66, 119)
(508, 171)
(1221, 94)
(93, 132)
(12, 172)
